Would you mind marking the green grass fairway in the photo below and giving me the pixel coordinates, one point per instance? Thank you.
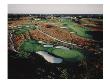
(24, 29)
(69, 55)
(33, 46)
(73, 27)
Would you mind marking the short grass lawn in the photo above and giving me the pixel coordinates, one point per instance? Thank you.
(69, 55)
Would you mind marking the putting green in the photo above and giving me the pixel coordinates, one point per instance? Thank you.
(70, 55)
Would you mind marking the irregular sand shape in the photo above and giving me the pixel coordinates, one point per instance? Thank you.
(63, 27)
(62, 47)
(48, 45)
(49, 57)
(41, 42)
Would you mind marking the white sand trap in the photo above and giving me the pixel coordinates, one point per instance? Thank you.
(37, 19)
(48, 45)
(14, 26)
(41, 42)
(72, 32)
(62, 47)
(63, 27)
(49, 57)
(19, 27)
(27, 26)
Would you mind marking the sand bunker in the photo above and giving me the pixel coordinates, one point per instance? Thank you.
(49, 57)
